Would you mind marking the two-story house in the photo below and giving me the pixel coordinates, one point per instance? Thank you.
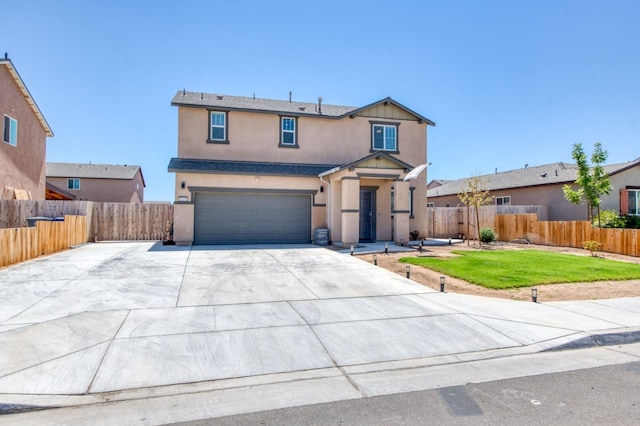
(24, 138)
(108, 183)
(252, 170)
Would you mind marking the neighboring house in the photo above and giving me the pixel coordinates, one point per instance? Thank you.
(97, 182)
(24, 138)
(542, 185)
(254, 170)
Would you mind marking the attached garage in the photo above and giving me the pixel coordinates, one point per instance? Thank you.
(246, 218)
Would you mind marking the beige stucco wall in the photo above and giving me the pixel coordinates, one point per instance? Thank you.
(105, 190)
(21, 166)
(622, 180)
(256, 136)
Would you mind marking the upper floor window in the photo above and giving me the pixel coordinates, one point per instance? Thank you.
(288, 131)
(503, 201)
(10, 131)
(73, 183)
(384, 137)
(634, 202)
(218, 126)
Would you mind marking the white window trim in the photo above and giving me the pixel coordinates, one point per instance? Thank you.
(384, 137)
(283, 131)
(13, 123)
(73, 184)
(637, 206)
(217, 126)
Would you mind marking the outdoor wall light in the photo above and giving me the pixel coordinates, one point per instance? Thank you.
(408, 269)
(322, 189)
(386, 248)
(441, 284)
(183, 185)
(534, 295)
(375, 260)
(352, 250)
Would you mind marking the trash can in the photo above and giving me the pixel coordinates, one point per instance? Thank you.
(31, 221)
(321, 237)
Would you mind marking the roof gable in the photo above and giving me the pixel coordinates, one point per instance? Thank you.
(27, 96)
(388, 108)
(376, 160)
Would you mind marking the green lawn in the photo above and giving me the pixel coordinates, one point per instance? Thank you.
(500, 269)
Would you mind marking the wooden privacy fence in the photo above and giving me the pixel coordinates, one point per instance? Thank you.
(451, 222)
(21, 244)
(566, 233)
(105, 221)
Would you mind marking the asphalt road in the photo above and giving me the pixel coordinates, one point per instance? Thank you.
(599, 396)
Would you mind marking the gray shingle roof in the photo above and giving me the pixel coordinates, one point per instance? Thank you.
(242, 103)
(95, 171)
(555, 173)
(257, 104)
(246, 167)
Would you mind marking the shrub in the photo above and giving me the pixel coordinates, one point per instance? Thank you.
(592, 246)
(632, 222)
(487, 235)
(609, 219)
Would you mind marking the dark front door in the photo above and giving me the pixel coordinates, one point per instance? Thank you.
(366, 215)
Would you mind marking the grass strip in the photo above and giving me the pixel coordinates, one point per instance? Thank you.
(500, 269)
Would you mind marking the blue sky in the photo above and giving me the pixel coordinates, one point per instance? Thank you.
(507, 82)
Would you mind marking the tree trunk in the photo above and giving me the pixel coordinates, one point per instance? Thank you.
(478, 225)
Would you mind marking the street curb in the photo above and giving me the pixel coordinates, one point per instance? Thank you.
(605, 339)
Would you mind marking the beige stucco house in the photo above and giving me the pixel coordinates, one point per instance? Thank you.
(96, 182)
(252, 170)
(24, 137)
(542, 185)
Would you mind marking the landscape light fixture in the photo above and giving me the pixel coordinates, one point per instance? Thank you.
(351, 250)
(375, 260)
(442, 284)
(534, 294)
(420, 247)
(386, 248)
(401, 242)
(408, 269)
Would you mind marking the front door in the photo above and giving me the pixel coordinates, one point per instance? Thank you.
(366, 215)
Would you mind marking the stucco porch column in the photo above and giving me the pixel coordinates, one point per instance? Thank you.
(402, 211)
(350, 211)
(183, 214)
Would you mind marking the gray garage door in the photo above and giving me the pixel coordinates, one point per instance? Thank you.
(222, 218)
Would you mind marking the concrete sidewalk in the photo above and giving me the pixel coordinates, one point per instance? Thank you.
(286, 325)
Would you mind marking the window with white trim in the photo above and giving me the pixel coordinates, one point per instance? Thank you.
(384, 137)
(288, 131)
(218, 126)
(10, 131)
(503, 201)
(634, 202)
(73, 183)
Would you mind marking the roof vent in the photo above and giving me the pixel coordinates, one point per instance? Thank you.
(543, 175)
(556, 172)
(219, 97)
(290, 96)
(526, 165)
(319, 104)
(301, 108)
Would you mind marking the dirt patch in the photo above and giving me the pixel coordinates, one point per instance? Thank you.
(546, 293)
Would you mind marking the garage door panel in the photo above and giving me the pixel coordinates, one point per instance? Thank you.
(222, 218)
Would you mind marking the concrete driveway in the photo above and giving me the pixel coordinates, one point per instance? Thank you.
(130, 320)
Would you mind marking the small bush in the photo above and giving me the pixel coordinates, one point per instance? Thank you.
(487, 235)
(632, 222)
(610, 219)
(592, 246)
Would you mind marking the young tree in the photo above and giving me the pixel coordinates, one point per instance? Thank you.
(592, 180)
(475, 195)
